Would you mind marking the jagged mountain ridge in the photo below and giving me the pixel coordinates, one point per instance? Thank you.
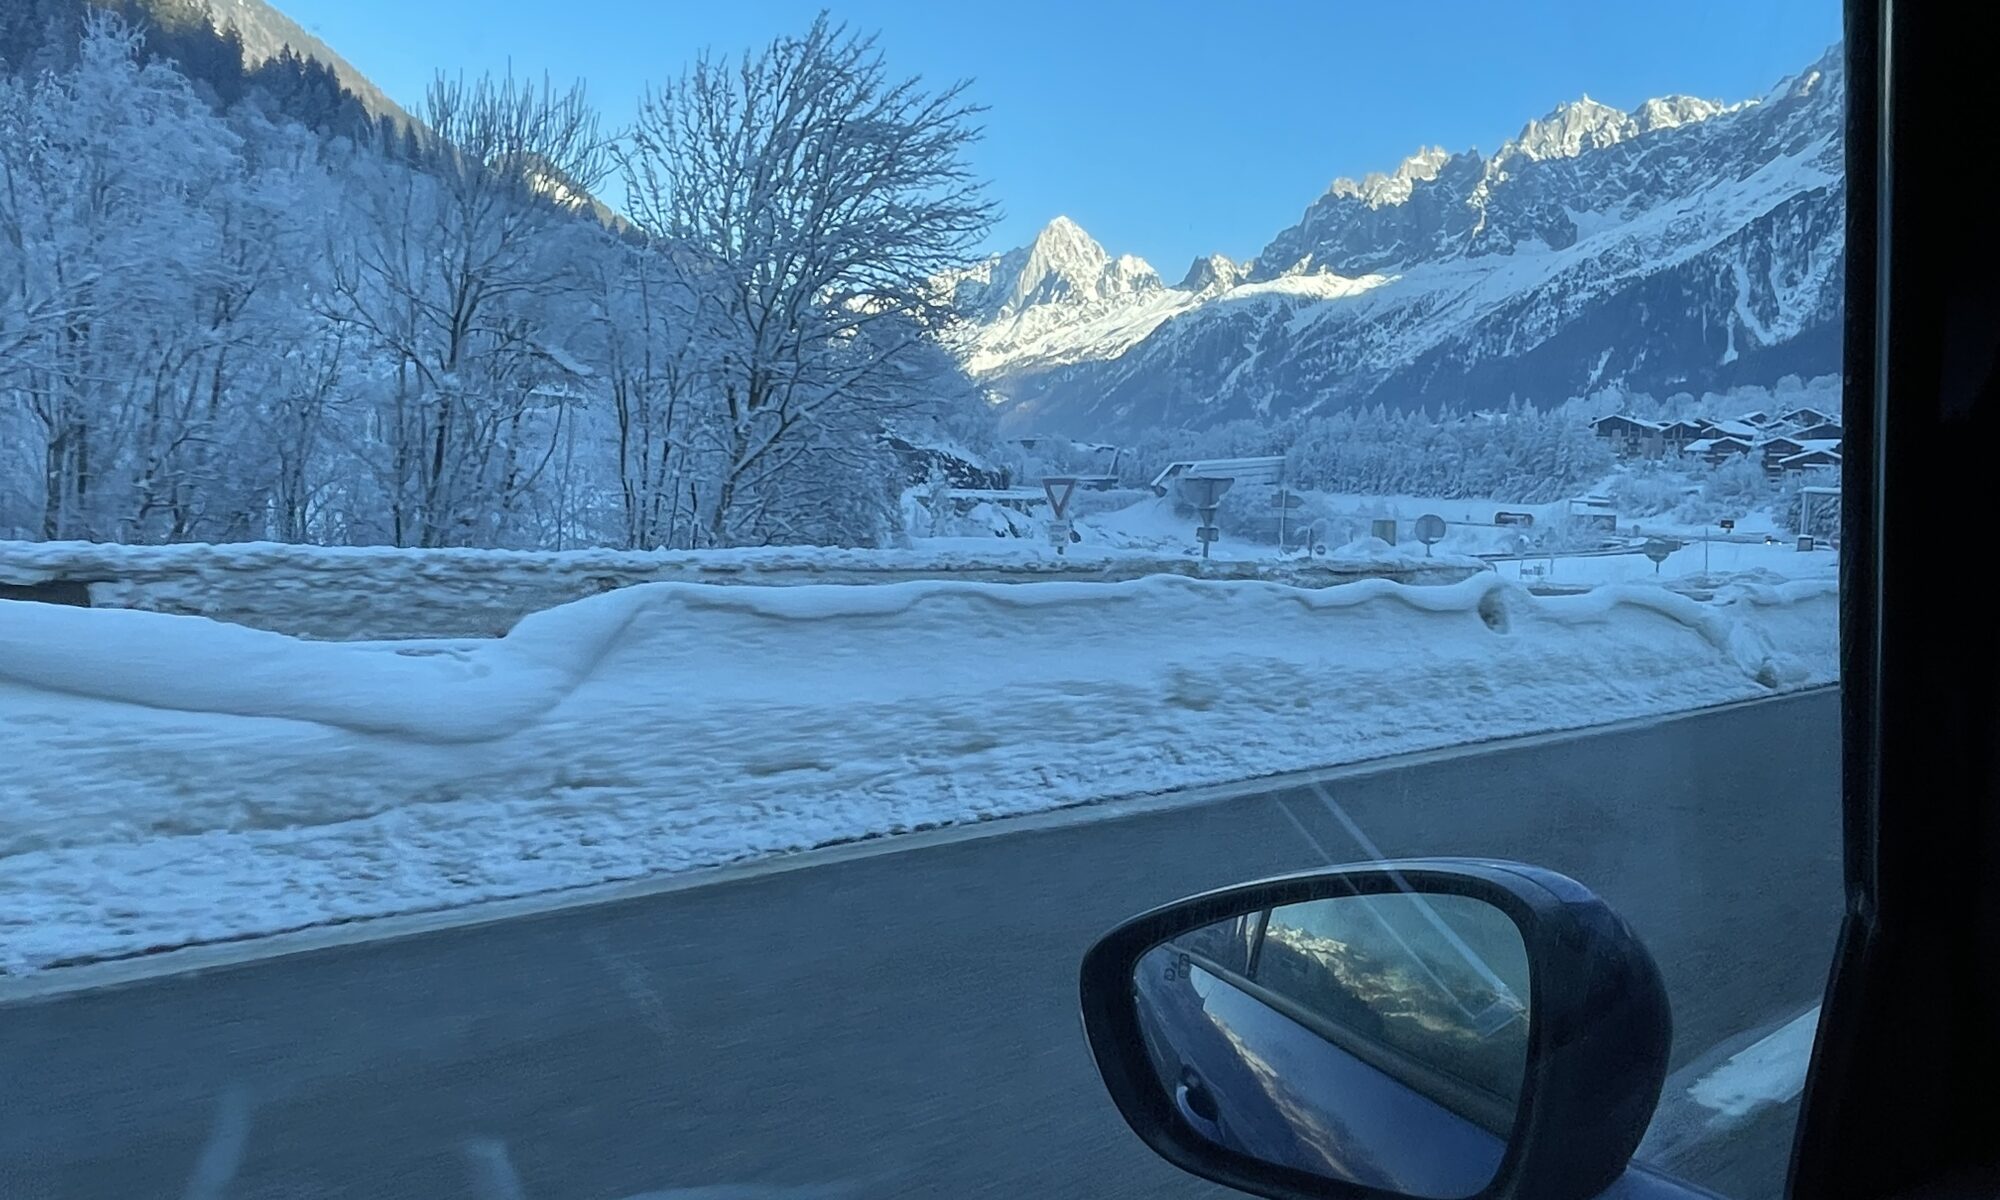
(1683, 244)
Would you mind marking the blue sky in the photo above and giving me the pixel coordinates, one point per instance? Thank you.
(1166, 129)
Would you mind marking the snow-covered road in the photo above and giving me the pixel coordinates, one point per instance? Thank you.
(174, 779)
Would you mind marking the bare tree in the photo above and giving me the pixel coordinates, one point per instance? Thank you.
(218, 324)
(659, 396)
(818, 198)
(453, 276)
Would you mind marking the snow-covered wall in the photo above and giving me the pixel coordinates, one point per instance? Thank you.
(371, 593)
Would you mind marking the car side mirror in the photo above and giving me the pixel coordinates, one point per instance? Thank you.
(1439, 1029)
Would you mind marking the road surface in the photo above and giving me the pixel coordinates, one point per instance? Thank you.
(899, 1024)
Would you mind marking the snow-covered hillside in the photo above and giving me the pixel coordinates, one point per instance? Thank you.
(1685, 244)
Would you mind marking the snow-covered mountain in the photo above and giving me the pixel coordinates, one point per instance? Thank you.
(1686, 244)
(1060, 299)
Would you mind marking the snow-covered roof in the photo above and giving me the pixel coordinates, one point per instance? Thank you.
(1246, 470)
(1735, 429)
(1820, 454)
(1006, 494)
(561, 357)
(1641, 422)
(1710, 444)
(1032, 441)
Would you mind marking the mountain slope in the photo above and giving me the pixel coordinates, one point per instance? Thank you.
(266, 33)
(1683, 244)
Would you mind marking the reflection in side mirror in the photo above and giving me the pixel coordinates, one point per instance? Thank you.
(1432, 1029)
(1379, 1040)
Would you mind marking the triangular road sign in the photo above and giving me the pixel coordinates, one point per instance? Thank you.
(1059, 488)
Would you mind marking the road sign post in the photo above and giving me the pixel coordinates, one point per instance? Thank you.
(1284, 500)
(1205, 494)
(1430, 530)
(1658, 549)
(1059, 489)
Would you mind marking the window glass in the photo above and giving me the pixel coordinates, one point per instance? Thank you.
(574, 546)
(1225, 944)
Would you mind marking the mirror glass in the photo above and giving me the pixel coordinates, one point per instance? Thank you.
(1379, 1040)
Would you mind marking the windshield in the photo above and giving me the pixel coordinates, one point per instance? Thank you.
(598, 602)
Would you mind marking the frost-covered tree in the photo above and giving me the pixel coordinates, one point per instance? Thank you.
(229, 309)
(816, 199)
(656, 399)
(463, 256)
(1520, 453)
(114, 180)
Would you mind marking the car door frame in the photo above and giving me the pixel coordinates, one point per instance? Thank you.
(1900, 1097)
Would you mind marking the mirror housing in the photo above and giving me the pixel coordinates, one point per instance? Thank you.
(1598, 1036)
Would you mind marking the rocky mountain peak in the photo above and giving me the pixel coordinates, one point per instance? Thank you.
(1063, 264)
(1376, 189)
(1672, 112)
(1573, 127)
(1213, 273)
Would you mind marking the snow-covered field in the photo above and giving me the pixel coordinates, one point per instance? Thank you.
(172, 779)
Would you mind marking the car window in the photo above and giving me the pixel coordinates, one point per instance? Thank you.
(596, 600)
(1227, 945)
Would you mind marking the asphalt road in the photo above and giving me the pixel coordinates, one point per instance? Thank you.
(901, 1024)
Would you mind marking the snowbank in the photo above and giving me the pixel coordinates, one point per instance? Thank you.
(173, 779)
(372, 592)
(1691, 565)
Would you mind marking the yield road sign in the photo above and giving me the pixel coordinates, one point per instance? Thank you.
(1059, 488)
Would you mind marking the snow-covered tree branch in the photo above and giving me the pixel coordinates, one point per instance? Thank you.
(817, 199)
